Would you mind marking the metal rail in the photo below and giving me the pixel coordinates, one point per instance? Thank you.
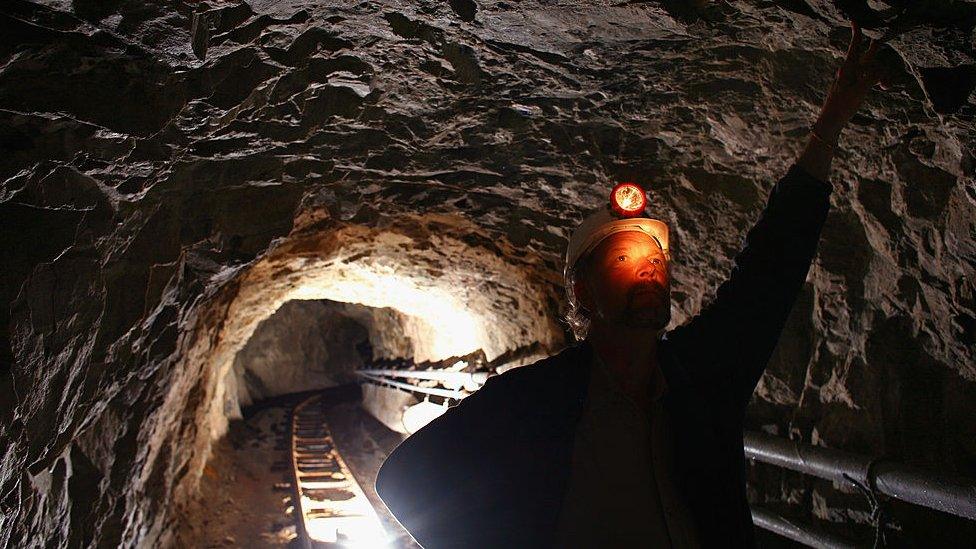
(951, 495)
(447, 393)
(456, 378)
(332, 505)
(795, 531)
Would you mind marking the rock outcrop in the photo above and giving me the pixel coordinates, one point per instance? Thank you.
(305, 345)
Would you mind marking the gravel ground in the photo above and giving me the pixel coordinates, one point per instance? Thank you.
(239, 504)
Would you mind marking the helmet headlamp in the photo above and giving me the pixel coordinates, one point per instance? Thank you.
(628, 199)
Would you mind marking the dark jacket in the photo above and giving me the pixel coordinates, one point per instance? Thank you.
(492, 471)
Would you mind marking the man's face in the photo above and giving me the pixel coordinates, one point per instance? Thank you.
(626, 282)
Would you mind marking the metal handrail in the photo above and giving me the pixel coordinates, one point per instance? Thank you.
(459, 378)
(951, 495)
(447, 393)
(796, 531)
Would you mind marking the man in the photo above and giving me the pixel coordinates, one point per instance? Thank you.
(632, 438)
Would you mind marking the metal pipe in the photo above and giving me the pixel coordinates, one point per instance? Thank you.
(460, 378)
(795, 531)
(951, 495)
(812, 460)
(955, 496)
(447, 393)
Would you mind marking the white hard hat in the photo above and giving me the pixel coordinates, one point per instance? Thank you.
(603, 223)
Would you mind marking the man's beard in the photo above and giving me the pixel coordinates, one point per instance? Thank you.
(648, 306)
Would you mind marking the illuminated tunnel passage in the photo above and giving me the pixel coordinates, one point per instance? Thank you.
(319, 415)
(323, 439)
(325, 306)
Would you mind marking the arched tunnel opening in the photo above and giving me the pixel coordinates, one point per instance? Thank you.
(294, 273)
(299, 391)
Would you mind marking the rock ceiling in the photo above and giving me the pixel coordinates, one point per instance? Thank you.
(156, 154)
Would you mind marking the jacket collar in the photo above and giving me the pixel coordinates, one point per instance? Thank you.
(582, 356)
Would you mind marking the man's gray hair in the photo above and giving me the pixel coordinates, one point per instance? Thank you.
(576, 316)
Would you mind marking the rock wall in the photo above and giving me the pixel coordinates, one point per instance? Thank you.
(173, 172)
(314, 344)
(305, 345)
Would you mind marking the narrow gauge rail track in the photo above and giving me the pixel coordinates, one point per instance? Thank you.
(333, 509)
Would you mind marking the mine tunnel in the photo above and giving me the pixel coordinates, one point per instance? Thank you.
(329, 274)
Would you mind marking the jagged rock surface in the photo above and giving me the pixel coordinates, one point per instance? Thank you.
(305, 345)
(168, 170)
(314, 344)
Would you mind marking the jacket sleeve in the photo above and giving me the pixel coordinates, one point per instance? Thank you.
(439, 482)
(731, 340)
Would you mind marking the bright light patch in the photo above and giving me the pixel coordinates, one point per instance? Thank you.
(628, 199)
(448, 327)
(420, 414)
(359, 532)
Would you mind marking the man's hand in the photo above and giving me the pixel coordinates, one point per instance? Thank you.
(859, 73)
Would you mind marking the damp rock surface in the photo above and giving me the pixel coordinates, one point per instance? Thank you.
(245, 498)
(172, 173)
(305, 345)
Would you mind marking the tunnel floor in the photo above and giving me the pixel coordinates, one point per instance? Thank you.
(364, 443)
(246, 497)
(245, 492)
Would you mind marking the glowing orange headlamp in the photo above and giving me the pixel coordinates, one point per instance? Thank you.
(628, 199)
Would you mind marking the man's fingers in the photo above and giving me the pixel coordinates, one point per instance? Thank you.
(856, 36)
(860, 66)
(872, 51)
(872, 70)
(854, 49)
